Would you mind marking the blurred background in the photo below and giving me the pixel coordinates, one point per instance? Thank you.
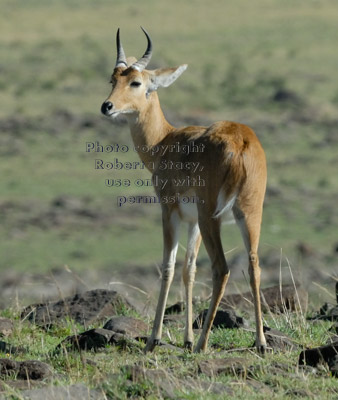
(269, 64)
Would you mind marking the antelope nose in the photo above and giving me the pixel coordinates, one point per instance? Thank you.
(106, 107)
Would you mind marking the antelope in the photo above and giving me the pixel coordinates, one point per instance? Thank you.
(233, 169)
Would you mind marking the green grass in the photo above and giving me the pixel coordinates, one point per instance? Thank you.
(108, 368)
(56, 59)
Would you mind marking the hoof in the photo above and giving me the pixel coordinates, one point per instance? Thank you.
(199, 349)
(188, 346)
(261, 349)
(151, 344)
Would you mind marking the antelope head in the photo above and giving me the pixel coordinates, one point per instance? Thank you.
(134, 87)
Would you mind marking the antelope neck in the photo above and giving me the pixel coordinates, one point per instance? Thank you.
(148, 128)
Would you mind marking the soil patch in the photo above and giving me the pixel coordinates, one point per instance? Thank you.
(85, 309)
(275, 299)
(27, 370)
(223, 319)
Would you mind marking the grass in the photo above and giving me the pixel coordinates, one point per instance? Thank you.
(55, 74)
(107, 369)
(55, 63)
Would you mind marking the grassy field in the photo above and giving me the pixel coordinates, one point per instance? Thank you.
(269, 64)
(271, 67)
(109, 370)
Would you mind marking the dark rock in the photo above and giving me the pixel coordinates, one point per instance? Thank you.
(86, 308)
(328, 312)
(129, 326)
(97, 339)
(278, 341)
(234, 366)
(8, 367)
(28, 370)
(287, 96)
(34, 370)
(174, 319)
(162, 344)
(273, 299)
(323, 354)
(6, 327)
(223, 319)
(176, 308)
(93, 339)
(333, 314)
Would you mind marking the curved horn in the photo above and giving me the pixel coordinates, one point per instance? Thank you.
(121, 60)
(144, 60)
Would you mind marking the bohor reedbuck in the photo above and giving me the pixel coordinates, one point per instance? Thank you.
(230, 178)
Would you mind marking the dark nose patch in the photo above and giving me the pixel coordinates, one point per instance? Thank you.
(106, 107)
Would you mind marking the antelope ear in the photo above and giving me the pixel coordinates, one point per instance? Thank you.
(164, 77)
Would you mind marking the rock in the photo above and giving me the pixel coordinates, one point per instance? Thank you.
(128, 326)
(27, 370)
(234, 366)
(287, 96)
(278, 341)
(96, 339)
(6, 327)
(176, 308)
(272, 298)
(93, 339)
(327, 312)
(34, 370)
(318, 355)
(333, 314)
(73, 392)
(223, 319)
(86, 308)
(176, 319)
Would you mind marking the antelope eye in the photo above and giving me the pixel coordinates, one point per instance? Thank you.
(135, 84)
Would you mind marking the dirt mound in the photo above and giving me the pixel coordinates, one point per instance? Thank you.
(275, 298)
(85, 309)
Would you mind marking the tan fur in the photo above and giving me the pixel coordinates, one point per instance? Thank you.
(233, 162)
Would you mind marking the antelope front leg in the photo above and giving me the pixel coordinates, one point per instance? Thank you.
(170, 220)
(189, 269)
